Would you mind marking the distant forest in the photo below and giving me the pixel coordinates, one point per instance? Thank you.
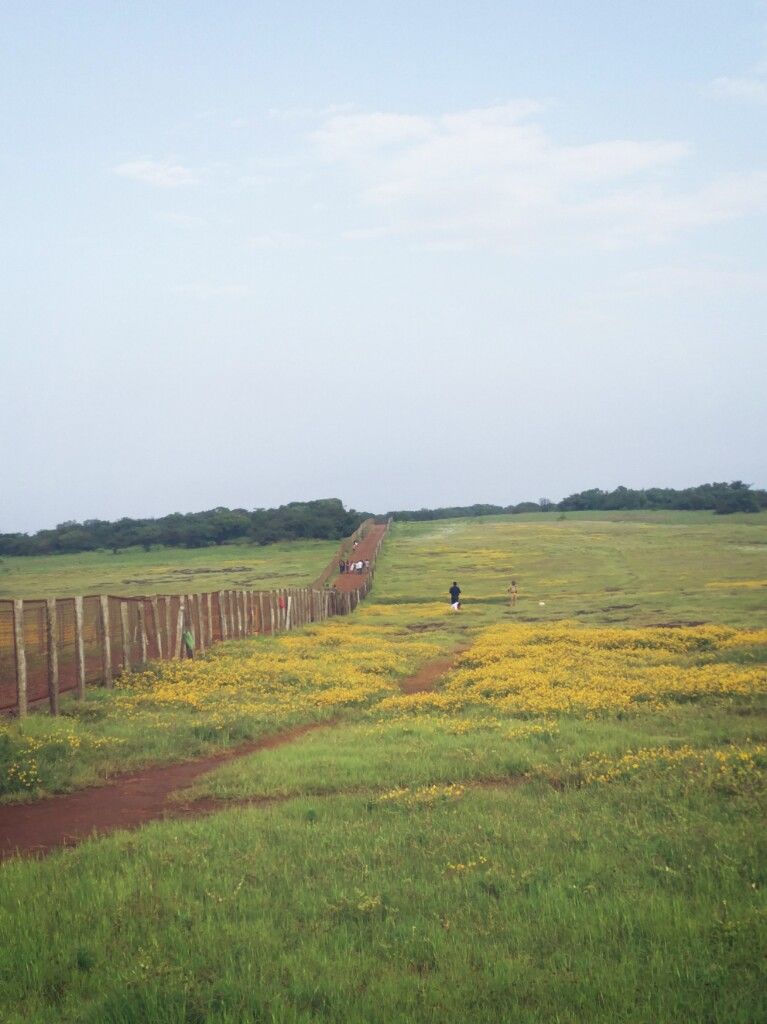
(721, 498)
(327, 519)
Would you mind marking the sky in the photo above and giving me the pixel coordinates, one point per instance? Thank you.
(401, 254)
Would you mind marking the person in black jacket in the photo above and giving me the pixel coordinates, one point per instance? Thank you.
(455, 596)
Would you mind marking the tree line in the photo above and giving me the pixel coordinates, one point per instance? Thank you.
(722, 498)
(325, 519)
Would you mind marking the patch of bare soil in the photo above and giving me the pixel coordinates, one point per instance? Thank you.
(128, 801)
(677, 625)
(425, 678)
(133, 799)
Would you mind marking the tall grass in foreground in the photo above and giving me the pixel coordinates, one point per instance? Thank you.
(622, 903)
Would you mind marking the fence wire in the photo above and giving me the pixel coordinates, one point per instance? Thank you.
(118, 634)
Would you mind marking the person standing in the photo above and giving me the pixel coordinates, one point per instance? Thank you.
(512, 592)
(187, 643)
(455, 597)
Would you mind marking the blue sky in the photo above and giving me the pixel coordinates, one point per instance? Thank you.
(403, 254)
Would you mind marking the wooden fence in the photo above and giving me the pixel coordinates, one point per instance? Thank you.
(49, 647)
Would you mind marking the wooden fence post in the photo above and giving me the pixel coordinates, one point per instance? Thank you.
(79, 648)
(142, 630)
(51, 632)
(198, 601)
(166, 617)
(240, 624)
(209, 604)
(125, 633)
(222, 614)
(21, 657)
(106, 645)
(157, 627)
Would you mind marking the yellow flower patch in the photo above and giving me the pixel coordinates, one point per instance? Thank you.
(563, 669)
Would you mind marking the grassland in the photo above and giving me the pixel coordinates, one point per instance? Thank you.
(614, 568)
(166, 570)
(569, 828)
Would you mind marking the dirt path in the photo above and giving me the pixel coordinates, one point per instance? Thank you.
(364, 550)
(133, 799)
(128, 801)
(428, 674)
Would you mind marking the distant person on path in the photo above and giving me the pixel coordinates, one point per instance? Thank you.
(512, 592)
(455, 597)
(342, 567)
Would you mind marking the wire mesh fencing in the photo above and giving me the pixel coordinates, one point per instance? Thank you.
(63, 645)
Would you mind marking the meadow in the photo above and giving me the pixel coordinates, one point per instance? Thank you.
(569, 827)
(163, 570)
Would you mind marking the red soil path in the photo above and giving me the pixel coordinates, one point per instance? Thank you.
(364, 550)
(128, 801)
(428, 674)
(133, 799)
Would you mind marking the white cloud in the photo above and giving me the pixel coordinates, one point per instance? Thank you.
(276, 240)
(202, 290)
(184, 220)
(751, 88)
(305, 113)
(355, 136)
(699, 280)
(495, 175)
(160, 173)
(657, 214)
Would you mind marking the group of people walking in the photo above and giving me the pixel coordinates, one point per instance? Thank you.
(360, 566)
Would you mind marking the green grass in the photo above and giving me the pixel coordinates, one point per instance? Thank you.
(166, 570)
(600, 568)
(424, 867)
(513, 905)
(425, 750)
